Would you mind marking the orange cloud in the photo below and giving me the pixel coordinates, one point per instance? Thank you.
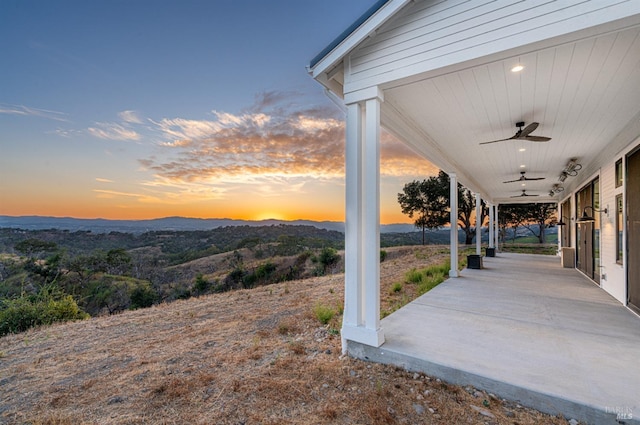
(278, 142)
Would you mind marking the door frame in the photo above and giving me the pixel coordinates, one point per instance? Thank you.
(585, 232)
(627, 207)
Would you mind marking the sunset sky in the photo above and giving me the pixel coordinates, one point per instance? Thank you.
(146, 109)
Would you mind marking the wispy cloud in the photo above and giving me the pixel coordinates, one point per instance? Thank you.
(113, 131)
(113, 194)
(62, 132)
(33, 112)
(101, 180)
(130, 117)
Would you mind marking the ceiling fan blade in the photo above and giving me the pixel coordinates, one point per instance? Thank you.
(536, 138)
(512, 181)
(496, 141)
(528, 129)
(534, 178)
(523, 134)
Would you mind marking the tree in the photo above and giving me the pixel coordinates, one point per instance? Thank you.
(511, 215)
(534, 217)
(544, 215)
(118, 261)
(35, 247)
(466, 213)
(466, 207)
(427, 201)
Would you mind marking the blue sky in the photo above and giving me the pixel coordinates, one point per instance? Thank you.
(141, 109)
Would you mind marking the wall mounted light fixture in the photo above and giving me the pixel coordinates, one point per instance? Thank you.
(589, 219)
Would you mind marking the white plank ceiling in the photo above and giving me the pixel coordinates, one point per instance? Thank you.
(582, 93)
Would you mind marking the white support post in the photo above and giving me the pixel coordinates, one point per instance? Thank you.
(371, 228)
(497, 229)
(353, 304)
(453, 236)
(491, 221)
(361, 321)
(478, 224)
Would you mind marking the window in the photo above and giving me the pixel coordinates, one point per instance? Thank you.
(619, 229)
(619, 175)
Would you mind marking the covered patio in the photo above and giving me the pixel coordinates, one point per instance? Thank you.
(520, 102)
(557, 343)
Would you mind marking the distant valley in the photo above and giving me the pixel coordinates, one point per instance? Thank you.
(100, 225)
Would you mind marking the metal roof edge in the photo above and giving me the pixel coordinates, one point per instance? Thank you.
(346, 33)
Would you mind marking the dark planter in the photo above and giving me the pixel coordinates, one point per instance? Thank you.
(474, 261)
(491, 252)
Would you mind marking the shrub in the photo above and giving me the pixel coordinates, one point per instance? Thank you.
(428, 278)
(413, 276)
(201, 284)
(265, 270)
(323, 313)
(235, 278)
(28, 311)
(429, 282)
(142, 296)
(383, 255)
(328, 257)
(396, 287)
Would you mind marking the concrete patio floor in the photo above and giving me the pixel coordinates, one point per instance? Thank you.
(525, 329)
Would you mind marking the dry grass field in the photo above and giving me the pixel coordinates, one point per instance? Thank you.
(257, 356)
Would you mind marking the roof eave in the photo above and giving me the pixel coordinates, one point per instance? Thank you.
(359, 31)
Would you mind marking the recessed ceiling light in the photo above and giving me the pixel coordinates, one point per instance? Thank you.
(517, 68)
(521, 150)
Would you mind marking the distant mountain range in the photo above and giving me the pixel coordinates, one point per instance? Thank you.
(100, 225)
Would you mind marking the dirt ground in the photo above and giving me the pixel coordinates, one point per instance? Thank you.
(257, 356)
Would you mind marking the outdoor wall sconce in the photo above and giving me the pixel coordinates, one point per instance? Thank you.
(562, 223)
(587, 218)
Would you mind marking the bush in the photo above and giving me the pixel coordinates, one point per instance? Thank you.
(328, 257)
(429, 282)
(142, 296)
(383, 255)
(413, 276)
(28, 311)
(428, 278)
(262, 275)
(396, 287)
(323, 313)
(201, 285)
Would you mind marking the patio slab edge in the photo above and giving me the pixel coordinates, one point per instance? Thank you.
(546, 403)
